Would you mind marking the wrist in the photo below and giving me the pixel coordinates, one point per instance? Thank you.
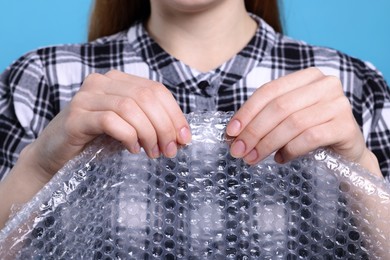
(29, 166)
(369, 161)
(24, 180)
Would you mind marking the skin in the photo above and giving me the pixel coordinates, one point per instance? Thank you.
(279, 117)
(183, 28)
(142, 113)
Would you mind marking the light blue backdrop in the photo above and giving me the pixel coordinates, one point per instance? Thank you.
(357, 27)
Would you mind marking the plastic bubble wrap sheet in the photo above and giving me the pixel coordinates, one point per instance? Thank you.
(203, 204)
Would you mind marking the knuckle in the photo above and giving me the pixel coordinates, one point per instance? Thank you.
(124, 104)
(245, 111)
(74, 110)
(107, 120)
(316, 71)
(82, 98)
(267, 145)
(159, 88)
(333, 82)
(145, 95)
(93, 79)
(167, 132)
(113, 73)
(79, 99)
(131, 136)
(266, 86)
(280, 104)
(148, 140)
(313, 137)
(289, 151)
(251, 131)
(295, 122)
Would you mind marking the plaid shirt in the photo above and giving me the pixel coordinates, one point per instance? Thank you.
(38, 85)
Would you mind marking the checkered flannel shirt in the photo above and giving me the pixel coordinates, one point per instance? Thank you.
(41, 83)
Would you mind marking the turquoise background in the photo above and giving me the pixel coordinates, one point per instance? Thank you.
(357, 27)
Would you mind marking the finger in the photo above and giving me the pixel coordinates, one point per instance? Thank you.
(96, 83)
(112, 83)
(290, 128)
(182, 129)
(143, 92)
(128, 110)
(165, 129)
(278, 110)
(266, 93)
(342, 134)
(309, 140)
(89, 125)
(169, 103)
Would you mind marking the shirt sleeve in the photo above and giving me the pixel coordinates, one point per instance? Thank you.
(26, 105)
(375, 117)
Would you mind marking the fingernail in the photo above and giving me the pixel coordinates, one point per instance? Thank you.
(171, 150)
(136, 148)
(233, 128)
(185, 134)
(279, 157)
(237, 149)
(155, 151)
(251, 156)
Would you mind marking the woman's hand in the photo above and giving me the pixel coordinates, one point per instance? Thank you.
(296, 114)
(135, 111)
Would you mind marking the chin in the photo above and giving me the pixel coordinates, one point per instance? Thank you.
(189, 6)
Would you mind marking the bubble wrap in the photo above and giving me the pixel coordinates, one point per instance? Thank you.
(203, 204)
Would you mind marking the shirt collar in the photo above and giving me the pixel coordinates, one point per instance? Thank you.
(177, 73)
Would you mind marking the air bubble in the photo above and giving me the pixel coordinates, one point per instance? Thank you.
(202, 204)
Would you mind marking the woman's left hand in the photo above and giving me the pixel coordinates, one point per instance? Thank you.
(296, 114)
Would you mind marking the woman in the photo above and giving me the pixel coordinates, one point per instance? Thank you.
(135, 84)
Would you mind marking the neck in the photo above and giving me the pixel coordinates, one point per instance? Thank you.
(202, 39)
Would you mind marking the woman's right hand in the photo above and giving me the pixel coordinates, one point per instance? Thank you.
(135, 111)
